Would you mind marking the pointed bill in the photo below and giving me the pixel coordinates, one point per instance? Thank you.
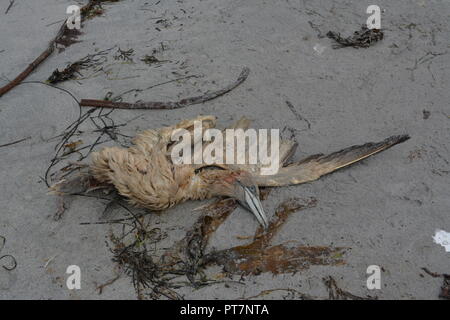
(253, 203)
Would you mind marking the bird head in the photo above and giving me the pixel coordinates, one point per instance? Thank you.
(240, 186)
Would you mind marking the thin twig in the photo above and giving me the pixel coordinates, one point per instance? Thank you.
(63, 30)
(44, 55)
(14, 142)
(11, 2)
(166, 105)
(108, 283)
(296, 114)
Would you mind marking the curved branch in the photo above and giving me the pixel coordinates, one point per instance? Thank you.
(63, 30)
(44, 55)
(169, 104)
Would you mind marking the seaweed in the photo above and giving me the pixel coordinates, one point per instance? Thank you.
(168, 105)
(363, 38)
(64, 36)
(445, 288)
(259, 257)
(336, 293)
(151, 59)
(124, 55)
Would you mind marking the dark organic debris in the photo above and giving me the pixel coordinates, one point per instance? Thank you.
(160, 274)
(12, 261)
(259, 257)
(94, 8)
(363, 38)
(426, 114)
(101, 287)
(124, 55)
(73, 69)
(168, 104)
(192, 248)
(164, 23)
(11, 3)
(14, 142)
(297, 115)
(291, 294)
(66, 74)
(68, 38)
(137, 261)
(316, 28)
(336, 293)
(151, 59)
(445, 288)
(157, 272)
(106, 130)
(64, 36)
(61, 209)
(118, 97)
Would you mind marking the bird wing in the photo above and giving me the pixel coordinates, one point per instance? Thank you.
(160, 140)
(286, 150)
(313, 167)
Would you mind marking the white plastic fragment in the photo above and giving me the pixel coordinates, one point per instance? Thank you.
(443, 238)
(319, 49)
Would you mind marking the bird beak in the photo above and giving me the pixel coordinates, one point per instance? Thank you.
(253, 204)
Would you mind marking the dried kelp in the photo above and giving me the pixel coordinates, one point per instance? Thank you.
(151, 59)
(258, 257)
(161, 274)
(167, 104)
(137, 261)
(191, 249)
(105, 129)
(155, 273)
(11, 3)
(290, 294)
(68, 38)
(336, 293)
(124, 55)
(94, 8)
(445, 288)
(363, 38)
(64, 36)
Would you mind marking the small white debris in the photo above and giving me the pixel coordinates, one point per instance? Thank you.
(443, 238)
(319, 49)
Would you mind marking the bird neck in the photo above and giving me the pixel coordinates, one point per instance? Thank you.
(210, 183)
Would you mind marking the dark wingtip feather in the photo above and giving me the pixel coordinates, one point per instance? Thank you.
(397, 139)
(356, 153)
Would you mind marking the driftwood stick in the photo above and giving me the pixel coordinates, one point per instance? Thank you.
(168, 105)
(44, 55)
(48, 51)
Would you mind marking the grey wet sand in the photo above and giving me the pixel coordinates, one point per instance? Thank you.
(386, 209)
